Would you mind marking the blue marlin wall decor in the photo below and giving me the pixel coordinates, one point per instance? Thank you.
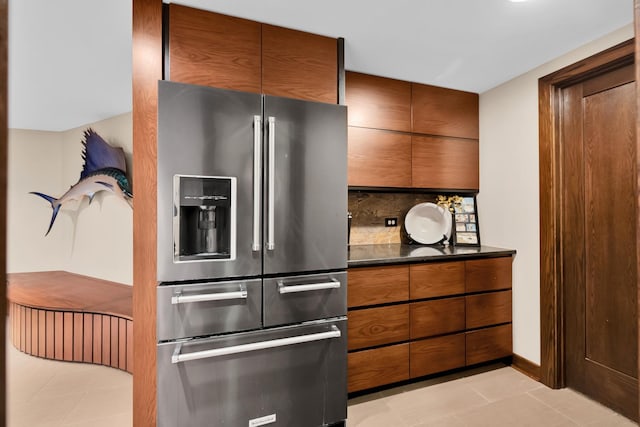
(104, 169)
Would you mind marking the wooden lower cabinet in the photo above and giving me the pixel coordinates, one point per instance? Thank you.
(437, 317)
(487, 344)
(408, 321)
(488, 309)
(380, 366)
(377, 326)
(378, 285)
(488, 274)
(436, 355)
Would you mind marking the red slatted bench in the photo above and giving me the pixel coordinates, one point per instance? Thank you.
(67, 316)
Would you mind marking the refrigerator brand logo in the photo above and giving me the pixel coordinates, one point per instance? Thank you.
(267, 419)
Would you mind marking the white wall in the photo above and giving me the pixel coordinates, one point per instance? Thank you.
(508, 202)
(94, 240)
(34, 161)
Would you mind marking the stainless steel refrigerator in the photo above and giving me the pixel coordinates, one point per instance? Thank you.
(252, 257)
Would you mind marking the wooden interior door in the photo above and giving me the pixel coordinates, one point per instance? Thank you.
(598, 163)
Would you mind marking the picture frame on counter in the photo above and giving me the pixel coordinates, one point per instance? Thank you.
(466, 228)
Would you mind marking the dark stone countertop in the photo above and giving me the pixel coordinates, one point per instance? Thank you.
(370, 255)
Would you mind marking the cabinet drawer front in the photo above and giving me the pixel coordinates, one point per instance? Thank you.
(488, 309)
(373, 368)
(378, 102)
(488, 274)
(377, 285)
(437, 317)
(488, 344)
(436, 280)
(377, 158)
(436, 355)
(377, 326)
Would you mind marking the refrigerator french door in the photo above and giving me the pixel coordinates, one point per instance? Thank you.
(252, 257)
(267, 174)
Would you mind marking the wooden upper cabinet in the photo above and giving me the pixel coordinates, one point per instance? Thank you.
(299, 65)
(445, 163)
(378, 158)
(211, 49)
(445, 112)
(378, 102)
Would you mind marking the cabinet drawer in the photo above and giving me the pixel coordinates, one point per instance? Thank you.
(377, 326)
(488, 274)
(377, 285)
(436, 355)
(373, 368)
(437, 317)
(488, 309)
(488, 344)
(436, 280)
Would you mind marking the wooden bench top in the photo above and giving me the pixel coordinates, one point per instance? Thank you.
(64, 291)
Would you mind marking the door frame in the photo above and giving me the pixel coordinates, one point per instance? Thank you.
(551, 291)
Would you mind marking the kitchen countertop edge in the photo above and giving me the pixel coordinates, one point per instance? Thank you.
(372, 255)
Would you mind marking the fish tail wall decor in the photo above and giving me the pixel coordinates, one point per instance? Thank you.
(104, 170)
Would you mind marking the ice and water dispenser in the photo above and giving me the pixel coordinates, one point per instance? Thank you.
(204, 218)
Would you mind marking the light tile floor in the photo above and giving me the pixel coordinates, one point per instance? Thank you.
(48, 393)
(496, 396)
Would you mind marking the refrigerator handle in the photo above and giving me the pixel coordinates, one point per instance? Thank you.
(179, 357)
(257, 184)
(271, 244)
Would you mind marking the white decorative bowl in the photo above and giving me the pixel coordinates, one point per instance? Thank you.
(428, 223)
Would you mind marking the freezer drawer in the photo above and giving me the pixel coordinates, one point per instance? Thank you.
(190, 310)
(301, 298)
(256, 378)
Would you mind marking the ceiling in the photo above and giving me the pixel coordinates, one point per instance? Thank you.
(70, 60)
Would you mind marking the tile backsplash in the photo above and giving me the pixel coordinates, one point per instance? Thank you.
(369, 209)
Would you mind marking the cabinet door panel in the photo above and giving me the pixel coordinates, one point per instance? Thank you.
(437, 317)
(488, 344)
(378, 102)
(445, 112)
(444, 163)
(488, 309)
(378, 326)
(436, 279)
(210, 49)
(377, 285)
(378, 158)
(299, 65)
(488, 274)
(373, 368)
(436, 355)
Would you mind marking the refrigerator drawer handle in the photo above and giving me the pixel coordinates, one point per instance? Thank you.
(271, 244)
(218, 296)
(287, 289)
(245, 348)
(257, 181)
